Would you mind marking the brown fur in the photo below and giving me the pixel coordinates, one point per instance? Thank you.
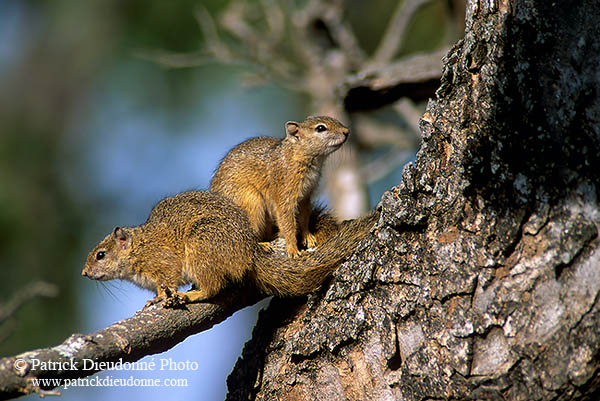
(205, 239)
(273, 179)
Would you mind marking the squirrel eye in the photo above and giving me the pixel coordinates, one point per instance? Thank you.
(100, 255)
(320, 128)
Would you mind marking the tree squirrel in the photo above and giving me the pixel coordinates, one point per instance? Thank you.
(273, 179)
(205, 239)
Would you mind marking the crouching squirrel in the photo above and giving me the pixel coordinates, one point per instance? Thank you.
(205, 239)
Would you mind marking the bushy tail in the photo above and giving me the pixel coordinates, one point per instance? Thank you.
(279, 275)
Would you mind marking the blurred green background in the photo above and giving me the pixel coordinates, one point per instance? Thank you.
(92, 135)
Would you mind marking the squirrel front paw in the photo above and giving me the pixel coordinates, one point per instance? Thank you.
(176, 300)
(310, 240)
(172, 298)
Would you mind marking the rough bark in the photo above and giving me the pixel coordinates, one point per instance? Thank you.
(482, 278)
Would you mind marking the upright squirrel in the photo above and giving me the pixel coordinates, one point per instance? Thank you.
(273, 179)
(205, 239)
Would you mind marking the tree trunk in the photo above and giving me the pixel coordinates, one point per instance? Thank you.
(481, 279)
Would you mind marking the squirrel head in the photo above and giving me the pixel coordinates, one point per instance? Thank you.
(321, 133)
(108, 260)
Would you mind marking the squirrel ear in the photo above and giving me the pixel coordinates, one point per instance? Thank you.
(292, 129)
(122, 237)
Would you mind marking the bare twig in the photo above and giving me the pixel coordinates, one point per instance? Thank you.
(150, 331)
(372, 132)
(331, 14)
(308, 53)
(384, 165)
(263, 48)
(214, 48)
(275, 18)
(213, 43)
(169, 59)
(410, 113)
(347, 41)
(7, 329)
(26, 294)
(393, 37)
(416, 76)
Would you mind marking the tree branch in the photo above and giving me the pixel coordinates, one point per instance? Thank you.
(150, 331)
(24, 295)
(416, 77)
(394, 35)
